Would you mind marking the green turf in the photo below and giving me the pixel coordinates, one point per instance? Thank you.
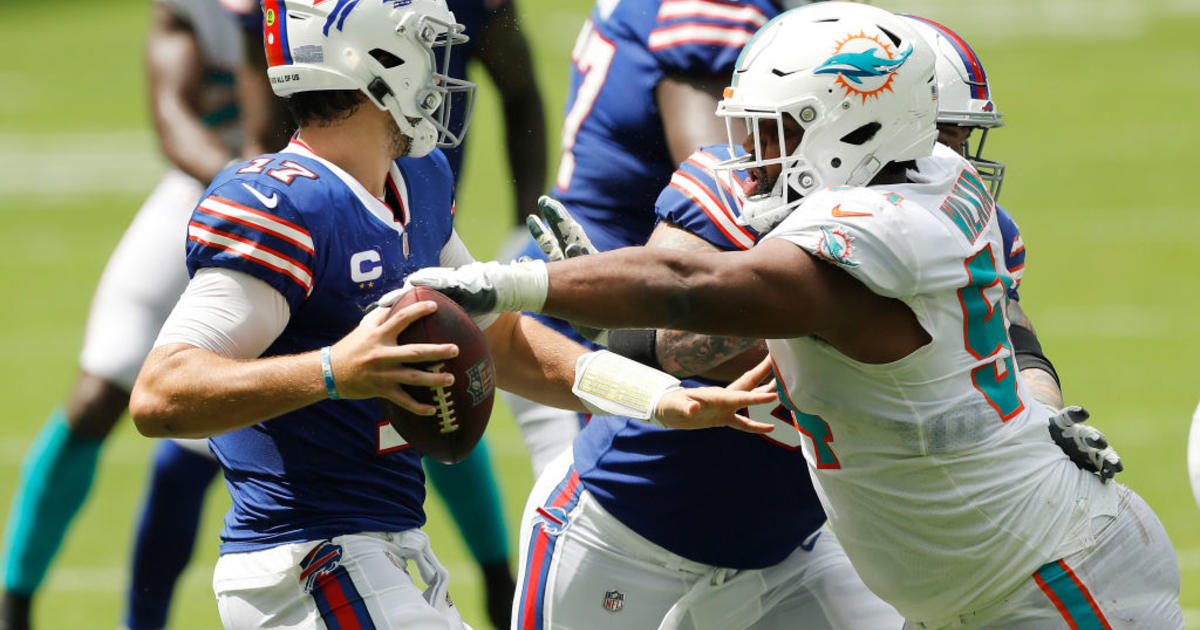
(1101, 137)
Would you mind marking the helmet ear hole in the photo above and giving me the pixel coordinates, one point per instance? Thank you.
(862, 135)
(385, 58)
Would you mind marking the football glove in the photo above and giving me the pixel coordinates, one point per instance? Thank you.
(489, 287)
(569, 239)
(1085, 445)
(560, 236)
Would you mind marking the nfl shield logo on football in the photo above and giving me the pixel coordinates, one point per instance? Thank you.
(614, 600)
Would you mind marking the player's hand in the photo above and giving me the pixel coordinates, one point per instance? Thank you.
(367, 362)
(703, 407)
(560, 236)
(557, 232)
(489, 287)
(1085, 445)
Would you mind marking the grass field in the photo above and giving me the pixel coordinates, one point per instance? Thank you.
(1100, 98)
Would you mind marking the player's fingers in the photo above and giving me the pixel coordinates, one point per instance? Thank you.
(404, 317)
(1077, 414)
(742, 423)
(404, 400)
(419, 353)
(544, 239)
(555, 215)
(416, 377)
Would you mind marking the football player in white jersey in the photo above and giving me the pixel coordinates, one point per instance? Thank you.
(269, 351)
(192, 51)
(880, 289)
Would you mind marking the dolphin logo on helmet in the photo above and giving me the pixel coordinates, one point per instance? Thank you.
(856, 65)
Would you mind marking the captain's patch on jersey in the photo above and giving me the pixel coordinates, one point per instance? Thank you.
(835, 246)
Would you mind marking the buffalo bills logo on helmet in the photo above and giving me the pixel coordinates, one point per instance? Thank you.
(338, 14)
(864, 64)
(324, 559)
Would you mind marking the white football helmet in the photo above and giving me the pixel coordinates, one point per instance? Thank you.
(859, 81)
(964, 96)
(397, 52)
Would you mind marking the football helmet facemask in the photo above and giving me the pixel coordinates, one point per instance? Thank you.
(396, 52)
(964, 95)
(856, 78)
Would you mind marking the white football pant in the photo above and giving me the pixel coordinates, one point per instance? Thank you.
(581, 568)
(141, 283)
(1127, 579)
(352, 581)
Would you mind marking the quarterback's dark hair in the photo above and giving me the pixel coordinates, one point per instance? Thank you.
(324, 107)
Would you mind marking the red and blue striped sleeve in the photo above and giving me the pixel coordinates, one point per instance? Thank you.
(232, 229)
(702, 37)
(698, 202)
(1014, 250)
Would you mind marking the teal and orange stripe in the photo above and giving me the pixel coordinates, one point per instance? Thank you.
(1072, 599)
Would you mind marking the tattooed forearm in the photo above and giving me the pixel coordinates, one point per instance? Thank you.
(1041, 383)
(686, 354)
(1045, 390)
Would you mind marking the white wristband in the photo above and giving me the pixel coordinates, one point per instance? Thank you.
(520, 286)
(610, 384)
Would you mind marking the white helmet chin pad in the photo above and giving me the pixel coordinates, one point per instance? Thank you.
(857, 80)
(396, 53)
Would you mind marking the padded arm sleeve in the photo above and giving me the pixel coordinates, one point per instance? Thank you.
(228, 312)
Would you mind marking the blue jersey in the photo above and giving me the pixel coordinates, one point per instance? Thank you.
(474, 15)
(615, 159)
(309, 230)
(614, 150)
(686, 491)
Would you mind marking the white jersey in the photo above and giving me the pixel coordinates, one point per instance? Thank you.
(937, 470)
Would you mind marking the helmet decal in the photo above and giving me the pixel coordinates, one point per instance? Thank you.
(859, 57)
(339, 13)
(275, 38)
(977, 77)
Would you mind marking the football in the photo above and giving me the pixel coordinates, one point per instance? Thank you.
(463, 408)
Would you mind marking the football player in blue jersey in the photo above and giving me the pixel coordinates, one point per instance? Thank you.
(898, 437)
(469, 488)
(191, 56)
(269, 350)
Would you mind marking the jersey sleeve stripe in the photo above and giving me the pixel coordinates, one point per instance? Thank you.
(273, 225)
(1018, 246)
(707, 162)
(710, 9)
(253, 252)
(668, 36)
(685, 184)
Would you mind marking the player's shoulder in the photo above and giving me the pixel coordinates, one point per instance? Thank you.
(689, 33)
(281, 184)
(853, 202)
(433, 167)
